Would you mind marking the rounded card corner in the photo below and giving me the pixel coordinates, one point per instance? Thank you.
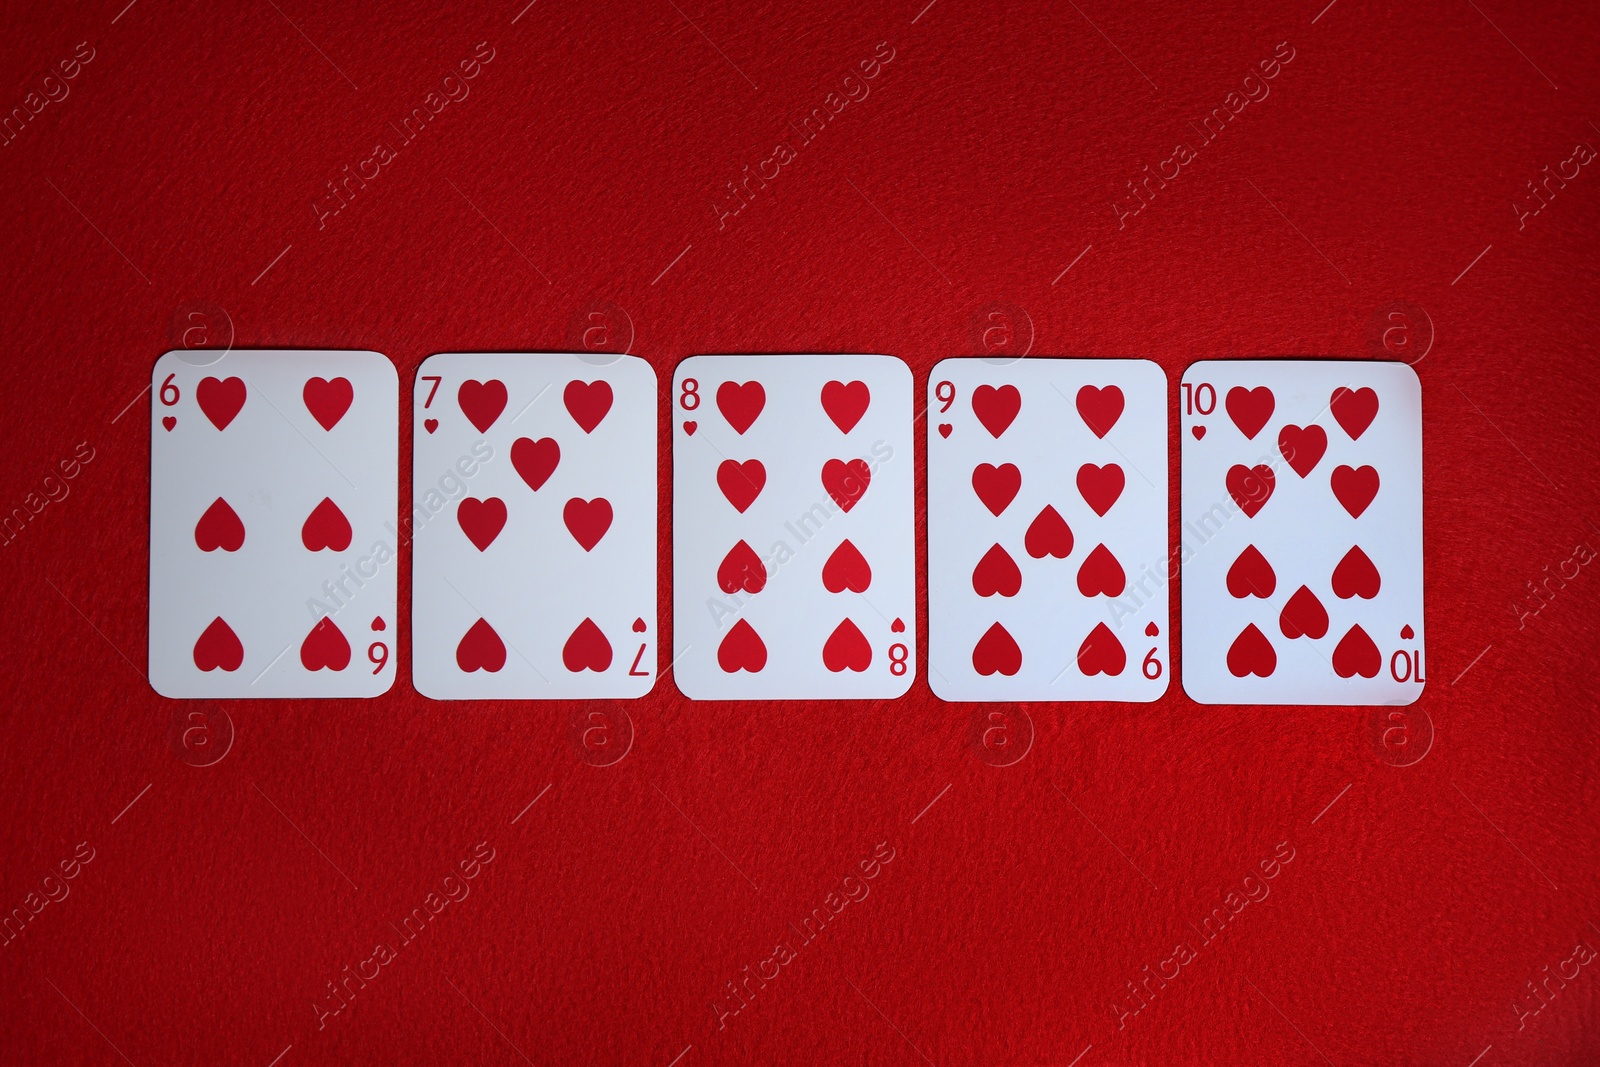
(1188, 691)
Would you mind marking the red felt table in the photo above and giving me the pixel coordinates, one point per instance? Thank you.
(1053, 870)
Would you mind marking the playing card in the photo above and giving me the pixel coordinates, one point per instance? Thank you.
(1047, 529)
(1302, 532)
(534, 526)
(794, 551)
(273, 481)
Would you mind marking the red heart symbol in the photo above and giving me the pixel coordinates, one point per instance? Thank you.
(378, 623)
(1356, 654)
(1355, 409)
(690, 426)
(897, 627)
(1100, 408)
(587, 520)
(741, 483)
(1048, 535)
(1152, 630)
(1100, 486)
(1249, 408)
(1355, 487)
(1250, 487)
(535, 461)
(587, 403)
(1198, 431)
(220, 400)
(218, 528)
(325, 647)
(639, 626)
(1302, 446)
(995, 573)
(218, 646)
(482, 403)
(328, 401)
(740, 404)
(430, 425)
(996, 486)
(996, 408)
(480, 649)
(1101, 573)
(587, 649)
(1251, 653)
(846, 482)
(846, 569)
(846, 649)
(1251, 575)
(845, 403)
(944, 429)
(1407, 633)
(325, 527)
(1355, 575)
(742, 650)
(996, 651)
(1101, 653)
(481, 520)
(741, 568)
(168, 422)
(1303, 616)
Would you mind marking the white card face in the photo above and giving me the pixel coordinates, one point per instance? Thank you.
(1302, 532)
(1047, 529)
(273, 487)
(534, 526)
(794, 549)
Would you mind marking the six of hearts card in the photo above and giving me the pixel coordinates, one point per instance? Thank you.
(272, 504)
(535, 505)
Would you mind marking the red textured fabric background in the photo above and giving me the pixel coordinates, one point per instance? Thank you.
(1441, 860)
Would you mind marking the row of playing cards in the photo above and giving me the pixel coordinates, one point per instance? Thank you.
(275, 539)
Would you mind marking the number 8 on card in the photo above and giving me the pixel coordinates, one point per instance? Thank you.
(794, 550)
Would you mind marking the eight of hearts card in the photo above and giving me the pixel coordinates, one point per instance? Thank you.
(1047, 529)
(534, 526)
(794, 549)
(1302, 532)
(273, 483)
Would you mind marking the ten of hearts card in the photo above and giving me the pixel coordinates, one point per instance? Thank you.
(1301, 532)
